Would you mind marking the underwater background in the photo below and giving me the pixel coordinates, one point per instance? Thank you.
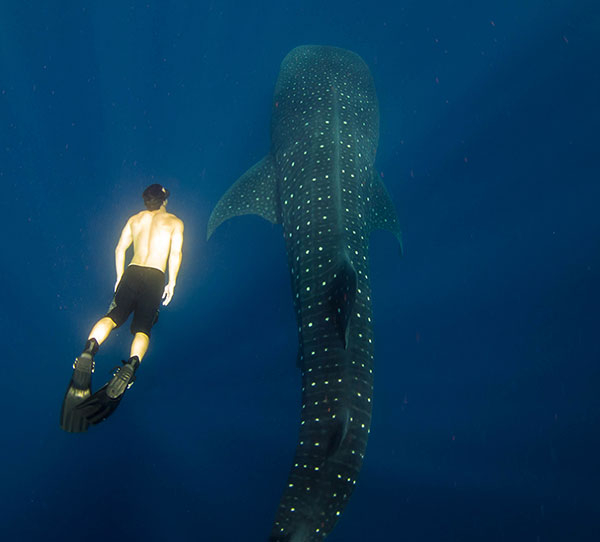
(486, 420)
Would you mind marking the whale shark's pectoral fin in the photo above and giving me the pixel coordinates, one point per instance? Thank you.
(255, 192)
(382, 213)
(343, 295)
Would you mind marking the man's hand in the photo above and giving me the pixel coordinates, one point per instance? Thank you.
(168, 293)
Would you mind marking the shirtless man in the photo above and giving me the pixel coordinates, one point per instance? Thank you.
(157, 238)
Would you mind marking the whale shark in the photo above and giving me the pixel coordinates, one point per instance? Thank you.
(319, 182)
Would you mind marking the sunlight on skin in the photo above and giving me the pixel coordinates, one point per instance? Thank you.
(102, 329)
(139, 346)
(104, 326)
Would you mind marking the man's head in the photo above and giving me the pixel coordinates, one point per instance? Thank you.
(154, 196)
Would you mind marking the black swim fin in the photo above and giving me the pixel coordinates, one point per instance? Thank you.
(105, 401)
(80, 388)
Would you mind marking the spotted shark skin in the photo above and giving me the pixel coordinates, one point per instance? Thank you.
(319, 182)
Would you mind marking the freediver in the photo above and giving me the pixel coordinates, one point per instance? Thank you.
(157, 238)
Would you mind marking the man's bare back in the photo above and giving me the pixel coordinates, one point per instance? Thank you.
(153, 233)
(157, 238)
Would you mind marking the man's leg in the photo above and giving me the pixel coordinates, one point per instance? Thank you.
(139, 345)
(102, 329)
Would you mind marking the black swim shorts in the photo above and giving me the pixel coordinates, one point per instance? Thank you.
(139, 291)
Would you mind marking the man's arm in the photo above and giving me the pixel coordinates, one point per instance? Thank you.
(124, 242)
(174, 261)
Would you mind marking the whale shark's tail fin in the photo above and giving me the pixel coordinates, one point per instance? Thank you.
(382, 214)
(255, 192)
(343, 296)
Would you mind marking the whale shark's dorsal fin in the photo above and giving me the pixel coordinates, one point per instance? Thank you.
(343, 295)
(382, 214)
(255, 192)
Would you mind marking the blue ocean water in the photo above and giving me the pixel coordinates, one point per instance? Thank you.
(486, 408)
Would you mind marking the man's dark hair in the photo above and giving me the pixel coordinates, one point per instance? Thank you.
(154, 196)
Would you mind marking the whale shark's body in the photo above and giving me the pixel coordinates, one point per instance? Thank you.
(319, 182)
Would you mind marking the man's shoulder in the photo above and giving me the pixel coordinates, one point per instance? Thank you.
(176, 220)
(137, 216)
